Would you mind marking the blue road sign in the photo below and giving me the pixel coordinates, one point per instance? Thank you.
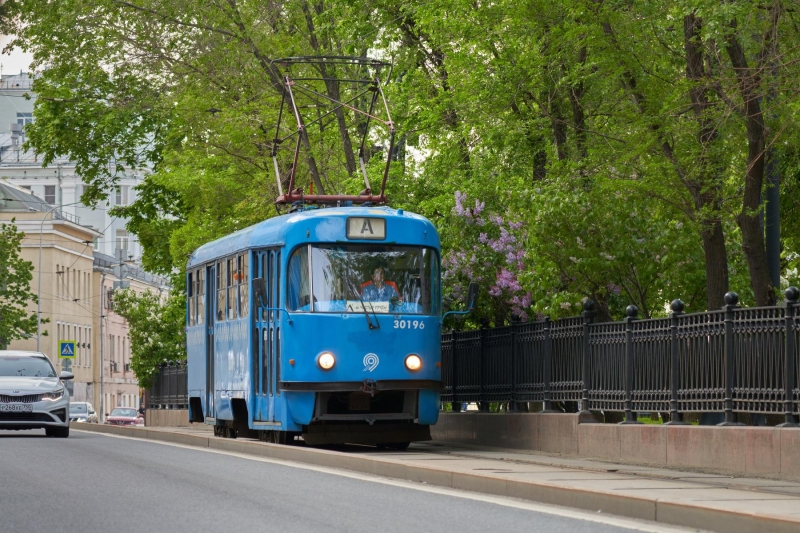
(66, 349)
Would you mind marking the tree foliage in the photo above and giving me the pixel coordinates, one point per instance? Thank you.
(15, 294)
(627, 141)
(156, 330)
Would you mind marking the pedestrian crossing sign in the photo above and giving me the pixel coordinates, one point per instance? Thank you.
(66, 349)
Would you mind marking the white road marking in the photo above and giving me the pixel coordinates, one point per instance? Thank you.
(555, 510)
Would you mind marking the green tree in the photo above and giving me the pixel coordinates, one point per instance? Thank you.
(15, 293)
(156, 330)
(567, 116)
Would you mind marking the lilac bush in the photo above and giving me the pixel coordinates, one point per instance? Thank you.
(488, 249)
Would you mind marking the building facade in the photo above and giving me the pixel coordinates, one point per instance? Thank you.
(58, 183)
(61, 252)
(76, 299)
(118, 386)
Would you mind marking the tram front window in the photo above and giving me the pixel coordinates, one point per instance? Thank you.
(358, 277)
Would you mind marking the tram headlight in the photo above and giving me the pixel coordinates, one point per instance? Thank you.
(413, 362)
(326, 360)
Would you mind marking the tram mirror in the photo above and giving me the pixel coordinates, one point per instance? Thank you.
(260, 290)
(472, 297)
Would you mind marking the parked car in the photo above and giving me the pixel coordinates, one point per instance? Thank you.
(32, 395)
(82, 412)
(124, 416)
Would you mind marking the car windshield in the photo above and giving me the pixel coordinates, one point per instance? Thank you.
(357, 277)
(40, 367)
(78, 408)
(123, 412)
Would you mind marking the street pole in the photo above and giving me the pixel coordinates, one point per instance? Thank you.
(102, 350)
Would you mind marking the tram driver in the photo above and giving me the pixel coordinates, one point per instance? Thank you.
(379, 290)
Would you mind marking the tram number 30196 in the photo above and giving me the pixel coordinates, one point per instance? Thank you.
(409, 324)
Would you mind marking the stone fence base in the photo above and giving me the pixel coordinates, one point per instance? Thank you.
(740, 451)
(166, 417)
(758, 451)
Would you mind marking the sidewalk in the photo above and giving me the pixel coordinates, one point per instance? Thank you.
(704, 501)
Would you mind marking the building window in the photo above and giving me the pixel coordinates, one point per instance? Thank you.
(122, 195)
(50, 194)
(122, 240)
(24, 118)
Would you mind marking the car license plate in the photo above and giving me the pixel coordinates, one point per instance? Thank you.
(16, 407)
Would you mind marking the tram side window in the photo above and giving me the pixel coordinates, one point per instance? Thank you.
(222, 288)
(233, 282)
(298, 290)
(243, 281)
(266, 274)
(190, 289)
(277, 302)
(200, 279)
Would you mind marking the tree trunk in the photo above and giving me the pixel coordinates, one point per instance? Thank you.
(704, 194)
(705, 186)
(752, 232)
(716, 264)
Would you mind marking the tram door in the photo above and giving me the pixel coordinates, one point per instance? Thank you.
(211, 298)
(268, 335)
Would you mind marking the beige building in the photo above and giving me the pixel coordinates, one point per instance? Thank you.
(67, 292)
(118, 386)
(77, 285)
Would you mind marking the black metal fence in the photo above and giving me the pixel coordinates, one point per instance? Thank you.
(169, 389)
(728, 361)
(736, 360)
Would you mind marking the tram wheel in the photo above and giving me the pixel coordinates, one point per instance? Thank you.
(218, 431)
(230, 433)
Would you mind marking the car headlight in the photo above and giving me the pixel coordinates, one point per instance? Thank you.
(413, 362)
(53, 396)
(326, 360)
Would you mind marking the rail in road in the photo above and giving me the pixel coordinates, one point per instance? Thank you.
(705, 501)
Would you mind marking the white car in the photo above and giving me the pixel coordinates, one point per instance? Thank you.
(31, 395)
(82, 412)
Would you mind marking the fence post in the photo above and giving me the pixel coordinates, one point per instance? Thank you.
(631, 313)
(513, 404)
(731, 299)
(588, 315)
(675, 417)
(168, 380)
(483, 402)
(790, 420)
(547, 364)
(455, 405)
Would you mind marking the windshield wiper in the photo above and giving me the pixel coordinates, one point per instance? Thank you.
(364, 307)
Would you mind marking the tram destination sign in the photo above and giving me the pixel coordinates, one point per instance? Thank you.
(366, 228)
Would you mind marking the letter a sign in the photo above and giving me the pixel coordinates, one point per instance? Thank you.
(373, 229)
(66, 349)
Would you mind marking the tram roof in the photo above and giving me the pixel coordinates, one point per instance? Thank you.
(276, 230)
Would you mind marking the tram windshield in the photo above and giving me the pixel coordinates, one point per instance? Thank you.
(358, 278)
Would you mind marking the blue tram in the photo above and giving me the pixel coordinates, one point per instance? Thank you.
(324, 323)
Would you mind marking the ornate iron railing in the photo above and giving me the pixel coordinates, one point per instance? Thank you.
(169, 389)
(736, 360)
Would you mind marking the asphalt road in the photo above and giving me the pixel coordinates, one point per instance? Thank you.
(97, 483)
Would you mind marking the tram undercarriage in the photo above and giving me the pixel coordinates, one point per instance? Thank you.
(387, 419)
